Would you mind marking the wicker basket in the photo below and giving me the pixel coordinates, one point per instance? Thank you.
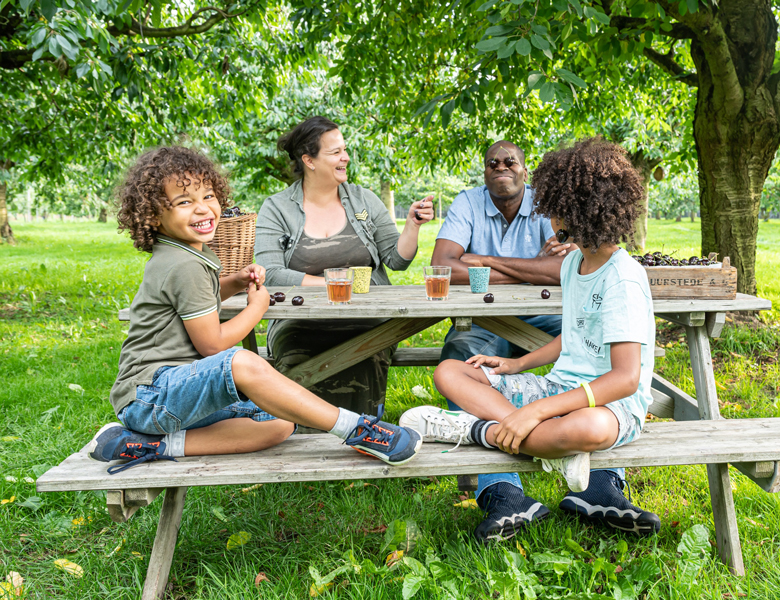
(234, 243)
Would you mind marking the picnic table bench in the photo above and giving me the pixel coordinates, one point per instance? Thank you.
(698, 434)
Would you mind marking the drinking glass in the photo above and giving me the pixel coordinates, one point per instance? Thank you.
(437, 282)
(339, 285)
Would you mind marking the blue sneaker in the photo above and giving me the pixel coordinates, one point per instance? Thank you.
(114, 442)
(389, 443)
(604, 502)
(508, 511)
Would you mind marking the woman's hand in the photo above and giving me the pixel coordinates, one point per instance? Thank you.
(251, 274)
(515, 428)
(421, 212)
(499, 365)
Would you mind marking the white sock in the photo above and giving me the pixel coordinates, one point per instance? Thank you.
(174, 443)
(345, 424)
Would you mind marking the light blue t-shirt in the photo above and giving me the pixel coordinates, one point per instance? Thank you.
(474, 222)
(611, 305)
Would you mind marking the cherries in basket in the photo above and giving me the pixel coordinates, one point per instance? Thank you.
(233, 211)
(658, 259)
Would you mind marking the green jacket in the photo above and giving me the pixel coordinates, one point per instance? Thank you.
(280, 226)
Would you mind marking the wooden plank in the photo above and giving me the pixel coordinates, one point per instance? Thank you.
(715, 323)
(357, 349)
(703, 375)
(462, 323)
(468, 483)
(416, 357)
(250, 342)
(516, 331)
(711, 281)
(725, 517)
(692, 319)
(164, 543)
(767, 482)
(325, 458)
(118, 510)
(684, 407)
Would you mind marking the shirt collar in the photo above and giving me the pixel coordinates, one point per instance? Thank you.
(297, 192)
(526, 207)
(169, 241)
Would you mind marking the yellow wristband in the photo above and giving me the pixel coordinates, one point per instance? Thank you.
(589, 392)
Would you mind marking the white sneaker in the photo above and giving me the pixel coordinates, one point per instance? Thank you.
(435, 424)
(576, 469)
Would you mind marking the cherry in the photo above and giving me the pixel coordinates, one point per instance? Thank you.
(279, 296)
(545, 294)
(271, 301)
(488, 298)
(297, 301)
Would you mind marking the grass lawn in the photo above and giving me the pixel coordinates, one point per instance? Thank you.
(60, 289)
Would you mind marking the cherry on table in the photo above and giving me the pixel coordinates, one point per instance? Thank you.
(271, 301)
(488, 298)
(297, 301)
(279, 296)
(545, 294)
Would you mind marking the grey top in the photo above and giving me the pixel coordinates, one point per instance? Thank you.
(280, 227)
(344, 249)
(179, 284)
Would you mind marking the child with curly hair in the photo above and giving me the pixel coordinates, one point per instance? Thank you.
(184, 388)
(598, 392)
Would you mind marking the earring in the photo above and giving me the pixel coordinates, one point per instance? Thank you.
(562, 235)
(312, 167)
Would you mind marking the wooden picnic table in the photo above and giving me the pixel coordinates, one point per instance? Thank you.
(317, 458)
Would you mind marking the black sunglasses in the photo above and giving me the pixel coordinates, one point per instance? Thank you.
(508, 162)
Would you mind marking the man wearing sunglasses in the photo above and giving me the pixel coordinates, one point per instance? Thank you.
(494, 226)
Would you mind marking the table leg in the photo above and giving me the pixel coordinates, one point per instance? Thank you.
(723, 511)
(164, 544)
(358, 349)
(250, 341)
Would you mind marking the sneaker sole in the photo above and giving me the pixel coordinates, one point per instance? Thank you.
(500, 537)
(384, 458)
(93, 442)
(621, 523)
(414, 424)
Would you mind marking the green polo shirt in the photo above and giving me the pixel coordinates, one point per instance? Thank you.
(179, 284)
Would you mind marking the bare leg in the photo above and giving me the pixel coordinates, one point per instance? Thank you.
(279, 396)
(236, 436)
(470, 389)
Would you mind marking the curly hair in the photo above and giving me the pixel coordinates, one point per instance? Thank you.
(141, 198)
(593, 188)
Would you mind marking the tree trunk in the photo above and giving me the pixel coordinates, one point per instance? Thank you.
(5, 227)
(678, 218)
(103, 216)
(388, 196)
(645, 166)
(693, 216)
(735, 127)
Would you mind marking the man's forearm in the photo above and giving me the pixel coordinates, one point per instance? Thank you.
(538, 271)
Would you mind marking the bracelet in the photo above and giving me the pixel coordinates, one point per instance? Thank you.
(589, 392)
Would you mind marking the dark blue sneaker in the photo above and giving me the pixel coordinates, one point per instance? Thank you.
(604, 502)
(114, 442)
(390, 443)
(508, 511)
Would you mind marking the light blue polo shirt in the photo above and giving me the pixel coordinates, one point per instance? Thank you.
(474, 222)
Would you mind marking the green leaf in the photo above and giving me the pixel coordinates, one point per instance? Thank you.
(467, 105)
(601, 17)
(38, 37)
(33, 503)
(416, 566)
(693, 6)
(695, 541)
(571, 78)
(577, 6)
(490, 45)
(499, 30)
(534, 81)
(38, 53)
(487, 5)
(54, 46)
(411, 586)
(523, 47)
(25, 4)
(81, 70)
(547, 92)
(683, 7)
(539, 42)
(446, 115)
(506, 51)
(48, 9)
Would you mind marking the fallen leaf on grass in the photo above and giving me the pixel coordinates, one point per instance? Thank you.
(756, 523)
(470, 503)
(380, 529)
(10, 479)
(219, 512)
(250, 488)
(421, 393)
(260, 578)
(69, 567)
(238, 539)
(137, 555)
(315, 590)
(8, 500)
(29, 480)
(12, 587)
(117, 549)
(737, 595)
(76, 387)
(520, 549)
(394, 558)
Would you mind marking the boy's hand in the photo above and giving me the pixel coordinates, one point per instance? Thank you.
(499, 364)
(251, 274)
(515, 428)
(258, 296)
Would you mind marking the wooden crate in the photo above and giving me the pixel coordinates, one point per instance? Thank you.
(717, 282)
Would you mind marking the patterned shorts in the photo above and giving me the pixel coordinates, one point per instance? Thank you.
(523, 388)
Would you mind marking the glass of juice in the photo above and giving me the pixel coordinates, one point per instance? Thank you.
(437, 282)
(339, 284)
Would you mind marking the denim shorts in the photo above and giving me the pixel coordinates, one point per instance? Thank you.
(523, 388)
(190, 396)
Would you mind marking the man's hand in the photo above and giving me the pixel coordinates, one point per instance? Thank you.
(553, 247)
(515, 428)
(499, 364)
(258, 297)
(472, 260)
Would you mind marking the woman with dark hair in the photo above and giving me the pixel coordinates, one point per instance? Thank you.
(321, 221)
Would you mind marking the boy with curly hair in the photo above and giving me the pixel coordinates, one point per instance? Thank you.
(184, 388)
(598, 392)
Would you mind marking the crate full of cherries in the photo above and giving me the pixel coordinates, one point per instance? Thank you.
(694, 277)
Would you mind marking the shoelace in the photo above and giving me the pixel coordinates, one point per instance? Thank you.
(438, 427)
(146, 453)
(367, 425)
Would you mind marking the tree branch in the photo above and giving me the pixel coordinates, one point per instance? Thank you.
(186, 28)
(678, 31)
(667, 63)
